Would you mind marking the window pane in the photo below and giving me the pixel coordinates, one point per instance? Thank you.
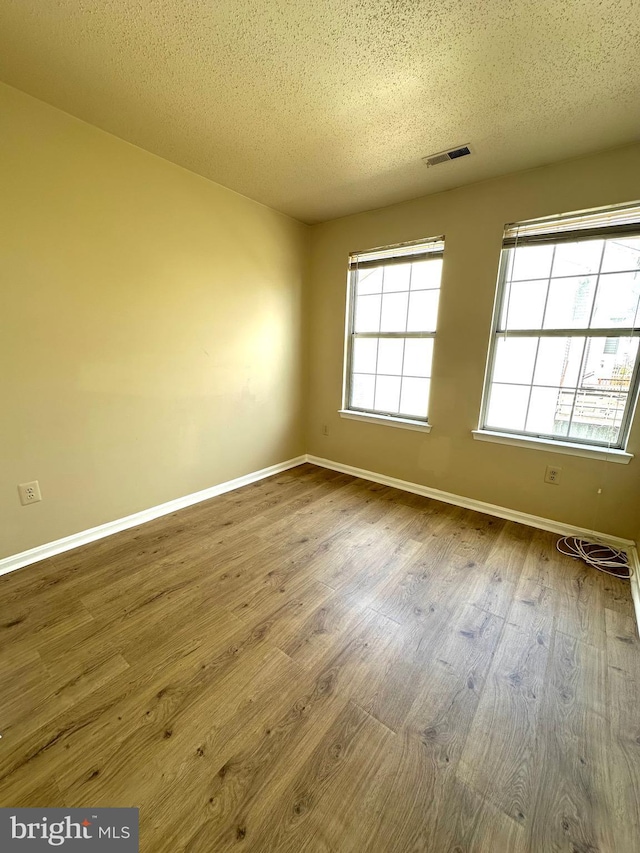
(593, 412)
(394, 312)
(610, 371)
(514, 360)
(569, 303)
(418, 353)
(578, 259)
(396, 277)
(387, 397)
(369, 281)
(558, 361)
(426, 274)
(362, 391)
(622, 253)
(597, 415)
(365, 351)
(617, 300)
(415, 397)
(390, 356)
(423, 311)
(367, 317)
(530, 262)
(544, 409)
(523, 304)
(508, 406)
(566, 399)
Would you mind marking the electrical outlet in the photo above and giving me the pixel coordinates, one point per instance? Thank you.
(325, 429)
(29, 493)
(552, 475)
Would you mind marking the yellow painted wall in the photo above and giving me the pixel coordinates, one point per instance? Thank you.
(150, 341)
(153, 330)
(472, 219)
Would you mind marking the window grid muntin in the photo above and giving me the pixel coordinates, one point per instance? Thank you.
(424, 254)
(585, 346)
(622, 430)
(507, 258)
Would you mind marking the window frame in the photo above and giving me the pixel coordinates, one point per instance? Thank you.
(405, 253)
(554, 238)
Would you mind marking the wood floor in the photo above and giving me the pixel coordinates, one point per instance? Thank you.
(318, 663)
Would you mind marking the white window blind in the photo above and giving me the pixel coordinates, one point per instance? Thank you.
(398, 254)
(568, 227)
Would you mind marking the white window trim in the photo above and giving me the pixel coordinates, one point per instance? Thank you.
(574, 448)
(589, 451)
(385, 420)
(393, 252)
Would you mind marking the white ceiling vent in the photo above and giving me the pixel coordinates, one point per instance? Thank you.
(444, 156)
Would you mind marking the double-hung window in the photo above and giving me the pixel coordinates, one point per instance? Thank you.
(391, 325)
(563, 361)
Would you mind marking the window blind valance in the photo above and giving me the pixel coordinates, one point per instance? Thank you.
(570, 227)
(401, 253)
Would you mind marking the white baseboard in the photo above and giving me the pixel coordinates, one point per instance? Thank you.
(634, 561)
(470, 503)
(50, 549)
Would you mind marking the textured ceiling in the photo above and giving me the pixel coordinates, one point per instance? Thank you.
(320, 108)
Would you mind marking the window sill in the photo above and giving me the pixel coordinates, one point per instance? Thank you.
(566, 448)
(386, 420)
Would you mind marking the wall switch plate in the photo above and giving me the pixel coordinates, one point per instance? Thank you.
(552, 475)
(29, 493)
(325, 429)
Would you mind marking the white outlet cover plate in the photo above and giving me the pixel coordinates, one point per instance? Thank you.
(552, 475)
(29, 493)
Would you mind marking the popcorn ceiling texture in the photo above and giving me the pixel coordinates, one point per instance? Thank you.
(320, 109)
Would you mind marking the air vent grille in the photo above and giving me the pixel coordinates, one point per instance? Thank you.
(444, 156)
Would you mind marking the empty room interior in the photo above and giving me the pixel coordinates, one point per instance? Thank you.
(319, 450)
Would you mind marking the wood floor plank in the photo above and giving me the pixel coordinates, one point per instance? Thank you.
(407, 792)
(622, 644)
(34, 794)
(540, 561)
(320, 663)
(312, 640)
(501, 757)
(624, 760)
(292, 731)
(388, 560)
(475, 826)
(184, 742)
(580, 607)
(616, 593)
(429, 670)
(144, 691)
(534, 606)
(493, 581)
(320, 795)
(572, 809)
(412, 594)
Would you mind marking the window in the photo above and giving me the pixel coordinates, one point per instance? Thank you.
(392, 313)
(563, 363)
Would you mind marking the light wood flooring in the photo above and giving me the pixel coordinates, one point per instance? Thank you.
(318, 663)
